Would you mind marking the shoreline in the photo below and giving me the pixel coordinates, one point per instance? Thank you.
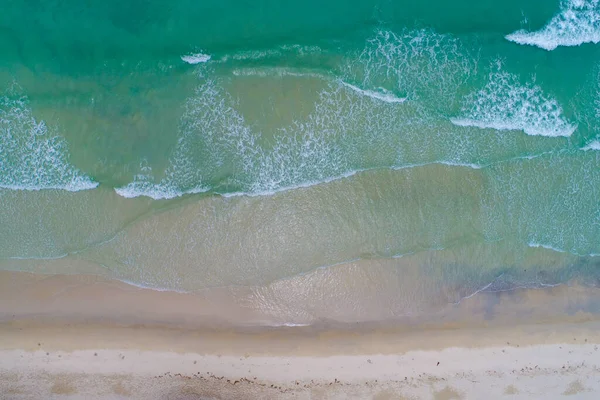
(72, 337)
(93, 298)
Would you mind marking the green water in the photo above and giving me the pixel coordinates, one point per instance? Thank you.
(186, 144)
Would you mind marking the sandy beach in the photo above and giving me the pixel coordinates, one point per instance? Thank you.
(72, 337)
(551, 371)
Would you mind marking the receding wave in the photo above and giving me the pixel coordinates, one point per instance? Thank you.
(381, 94)
(505, 104)
(279, 51)
(277, 72)
(32, 155)
(577, 22)
(559, 250)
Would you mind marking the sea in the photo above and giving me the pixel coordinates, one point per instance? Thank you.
(316, 151)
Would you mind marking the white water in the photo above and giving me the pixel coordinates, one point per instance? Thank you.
(577, 22)
(506, 104)
(32, 155)
(196, 58)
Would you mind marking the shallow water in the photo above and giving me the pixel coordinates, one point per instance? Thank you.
(186, 145)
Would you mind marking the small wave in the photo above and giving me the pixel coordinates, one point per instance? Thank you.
(277, 71)
(577, 22)
(274, 52)
(536, 245)
(593, 145)
(447, 163)
(169, 187)
(348, 175)
(509, 126)
(32, 156)
(75, 185)
(158, 191)
(163, 191)
(558, 250)
(291, 187)
(505, 104)
(196, 58)
(382, 94)
(142, 286)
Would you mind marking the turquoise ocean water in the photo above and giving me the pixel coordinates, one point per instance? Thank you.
(187, 144)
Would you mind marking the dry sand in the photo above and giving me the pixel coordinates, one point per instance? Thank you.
(79, 344)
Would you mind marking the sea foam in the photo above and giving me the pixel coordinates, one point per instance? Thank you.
(420, 64)
(215, 136)
(577, 22)
(163, 190)
(353, 126)
(196, 153)
(254, 55)
(505, 104)
(382, 94)
(593, 145)
(196, 58)
(180, 178)
(535, 245)
(32, 156)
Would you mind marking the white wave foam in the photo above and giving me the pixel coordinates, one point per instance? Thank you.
(275, 52)
(505, 104)
(32, 157)
(303, 185)
(154, 288)
(195, 153)
(277, 71)
(418, 64)
(156, 191)
(577, 22)
(219, 151)
(382, 94)
(196, 58)
(558, 250)
(348, 175)
(349, 129)
(536, 245)
(593, 145)
(177, 181)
